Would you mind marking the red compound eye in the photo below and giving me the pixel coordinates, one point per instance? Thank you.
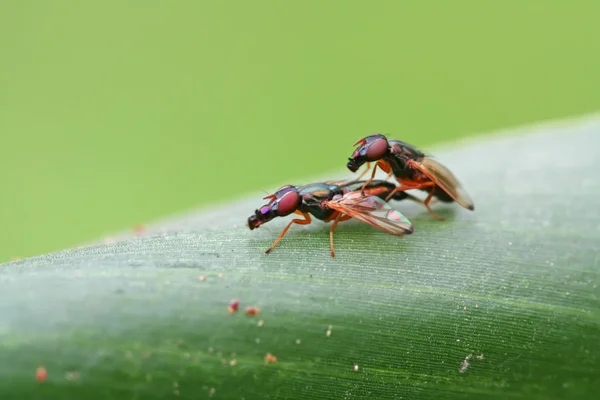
(377, 149)
(288, 203)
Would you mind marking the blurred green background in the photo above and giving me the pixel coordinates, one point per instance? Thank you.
(114, 113)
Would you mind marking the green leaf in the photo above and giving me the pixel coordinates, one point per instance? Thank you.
(503, 302)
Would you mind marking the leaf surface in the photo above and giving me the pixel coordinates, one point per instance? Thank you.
(502, 302)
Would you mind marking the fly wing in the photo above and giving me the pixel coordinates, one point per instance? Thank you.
(373, 211)
(444, 179)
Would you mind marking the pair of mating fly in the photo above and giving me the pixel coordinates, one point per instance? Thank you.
(367, 200)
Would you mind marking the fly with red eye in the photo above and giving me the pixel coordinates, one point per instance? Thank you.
(336, 201)
(411, 168)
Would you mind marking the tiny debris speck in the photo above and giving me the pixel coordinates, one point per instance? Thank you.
(233, 306)
(72, 375)
(355, 367)
(270, 358)
(41, 374)
(252, 311)
(465, 364)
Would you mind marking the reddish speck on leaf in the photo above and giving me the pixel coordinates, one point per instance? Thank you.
(270, 358)
(41, 374)
(233, 307)
(252, 311)
(138, 229)
(202, 278)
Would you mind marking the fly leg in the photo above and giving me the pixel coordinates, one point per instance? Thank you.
(362, 190)
(338, 218)
(305, 221)
(426, 204)
(364, 172)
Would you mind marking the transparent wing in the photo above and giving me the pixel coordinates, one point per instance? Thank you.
(444, 179)
(373, 211)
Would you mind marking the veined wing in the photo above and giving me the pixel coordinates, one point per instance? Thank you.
(444, 179)
(373, 211)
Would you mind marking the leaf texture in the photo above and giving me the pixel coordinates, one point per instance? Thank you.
(503, 302)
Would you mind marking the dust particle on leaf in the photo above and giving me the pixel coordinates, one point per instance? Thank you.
(211, 392)
(72, 375)
(202, 278)
(233, 306)
(139, 229)
(270, 358)
(252, 311)
(298, 341)
(41, 374)
(260, 323)
(465, 364)
(355, 367)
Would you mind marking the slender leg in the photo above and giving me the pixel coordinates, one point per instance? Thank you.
(389, 196)
(305, 221)
(362, 191)
(426, 204)
(364, 172)
(401, 188)
(338, 218)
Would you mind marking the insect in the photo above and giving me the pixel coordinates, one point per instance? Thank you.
(412, 169)
(335, 201)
